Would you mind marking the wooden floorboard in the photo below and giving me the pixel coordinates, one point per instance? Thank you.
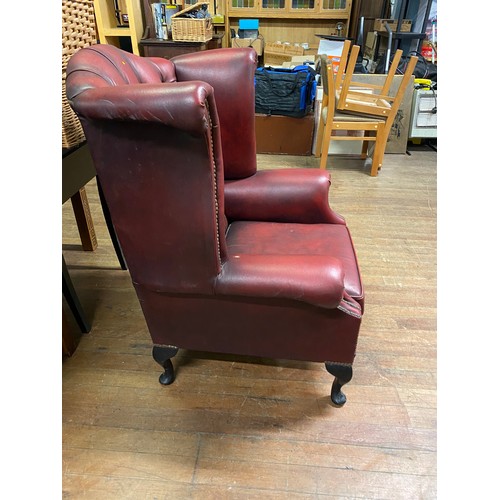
(240, 427)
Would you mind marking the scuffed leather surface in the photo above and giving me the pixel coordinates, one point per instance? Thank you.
(179, 105)
(287, 195)
(317, 280)
(274, 328)
(305, 242)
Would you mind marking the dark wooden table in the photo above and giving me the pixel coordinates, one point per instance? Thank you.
(154, 47)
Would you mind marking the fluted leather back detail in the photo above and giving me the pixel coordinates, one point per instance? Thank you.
(105, 65)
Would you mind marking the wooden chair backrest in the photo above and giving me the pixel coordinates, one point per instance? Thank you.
(398, 98)
(392, 71)
(344, 56)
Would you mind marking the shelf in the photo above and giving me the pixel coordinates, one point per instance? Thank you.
(295, 21)
(116, 32)
(403, 35)
(107, 29)
(289, 15)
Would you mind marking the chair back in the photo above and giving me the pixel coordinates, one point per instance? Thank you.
(392, 72)
(407, 75)
(236, 103)
(344, 57)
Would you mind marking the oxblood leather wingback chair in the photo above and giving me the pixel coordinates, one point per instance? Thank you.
(257, 264)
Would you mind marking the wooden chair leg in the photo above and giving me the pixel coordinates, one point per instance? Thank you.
(319, 138)
(84, 220)
(69, 339)
(111, 228)
(378, 152)
(327, 133)
(73, 301)
(364, 149)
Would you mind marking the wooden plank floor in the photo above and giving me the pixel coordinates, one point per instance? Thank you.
(235, 427)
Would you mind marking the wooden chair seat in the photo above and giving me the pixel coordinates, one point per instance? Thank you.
(348, 117)
(360, 102)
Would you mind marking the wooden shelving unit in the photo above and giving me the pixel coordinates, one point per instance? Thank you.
(295, 21)
(154, 47)
(111, 29)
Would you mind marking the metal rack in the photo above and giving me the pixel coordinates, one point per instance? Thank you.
(396, 38)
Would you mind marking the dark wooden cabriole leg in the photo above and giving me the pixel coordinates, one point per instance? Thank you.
(342, 374)
(162, 355)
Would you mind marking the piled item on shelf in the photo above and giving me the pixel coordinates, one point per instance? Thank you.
(193, 24)
(162, 18)
(256, 43)
(248, 28)
(379, 25)
(248, 36)
(280, 54)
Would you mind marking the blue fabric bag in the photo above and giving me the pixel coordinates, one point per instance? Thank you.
(285, 91)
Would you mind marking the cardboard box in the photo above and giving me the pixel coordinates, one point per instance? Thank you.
(312, 50)
(371, 45)
(273, 134)
(299, 61)
(278, 53)
(393, 24)
(256, 43)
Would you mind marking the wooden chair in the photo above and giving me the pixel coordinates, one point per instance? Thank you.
(352, 96)
(355, 107)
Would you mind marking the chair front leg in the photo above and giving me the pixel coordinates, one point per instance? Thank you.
(364, 149)
(319, 138)
(343, 374)
(327, 133)
(379, 150)
(162, 355)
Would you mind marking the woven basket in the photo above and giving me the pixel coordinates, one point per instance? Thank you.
(191, 30)
(78, 31)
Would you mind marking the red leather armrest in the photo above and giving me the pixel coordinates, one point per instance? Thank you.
(288, 195)
(178, 104)
(314, 279)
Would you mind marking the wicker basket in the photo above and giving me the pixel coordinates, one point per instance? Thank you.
(78, 30)
(191, 30)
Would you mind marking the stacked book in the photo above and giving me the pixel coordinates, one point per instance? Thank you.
(162, 14)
